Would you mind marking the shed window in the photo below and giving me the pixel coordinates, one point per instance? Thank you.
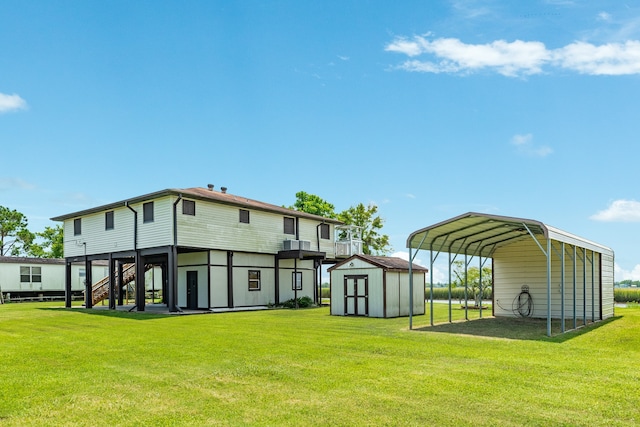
(77, 227)
(324, 231)
(289, 225)
(254, 280)
(147, 212)
(30, 274)
(189, 207)
(108, 220)
(244, 216)
(296, 284)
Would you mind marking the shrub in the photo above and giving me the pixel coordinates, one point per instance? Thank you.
(303, 302)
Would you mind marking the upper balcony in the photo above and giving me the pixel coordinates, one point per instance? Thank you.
(348, 242)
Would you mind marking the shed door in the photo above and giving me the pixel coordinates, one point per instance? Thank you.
(356, 295)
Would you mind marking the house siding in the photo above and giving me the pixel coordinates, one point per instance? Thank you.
(217, 226)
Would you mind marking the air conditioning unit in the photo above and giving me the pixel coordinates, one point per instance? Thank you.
(294, 245)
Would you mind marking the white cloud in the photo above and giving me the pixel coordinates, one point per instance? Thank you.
(622, 274)
(15, 184)
(526, 146)
(619, 211)
(516, 58)
(10, 103)
(611, 59)
(604, 16)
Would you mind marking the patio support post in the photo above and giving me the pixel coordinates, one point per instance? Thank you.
(67, 284)
(88, 281)
(112, 283)
(140, 288)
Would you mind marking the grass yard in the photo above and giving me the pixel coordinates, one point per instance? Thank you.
(304, 367)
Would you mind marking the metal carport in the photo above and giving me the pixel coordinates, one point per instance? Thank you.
(515, 244)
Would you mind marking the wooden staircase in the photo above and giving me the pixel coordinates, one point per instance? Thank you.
(100, 289)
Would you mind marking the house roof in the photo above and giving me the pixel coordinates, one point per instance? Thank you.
(481, 234)
(386, 263)
(47, 261)
(205, 194)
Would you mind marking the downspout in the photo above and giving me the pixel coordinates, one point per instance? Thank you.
(174, 273)
(135, 226)
(175, 220)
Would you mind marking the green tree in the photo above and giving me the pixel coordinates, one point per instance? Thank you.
(15, 238)
(310, 203)
(52, 245)
(473, 280)
(369, 225)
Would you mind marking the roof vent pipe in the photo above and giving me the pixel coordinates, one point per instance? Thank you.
(210, 187)
(223, 189)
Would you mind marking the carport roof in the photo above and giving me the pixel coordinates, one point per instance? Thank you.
(479, 234)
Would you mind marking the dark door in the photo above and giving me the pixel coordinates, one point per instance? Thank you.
(192, 290)
(356, 295)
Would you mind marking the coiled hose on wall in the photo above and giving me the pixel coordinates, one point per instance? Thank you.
(523, 303)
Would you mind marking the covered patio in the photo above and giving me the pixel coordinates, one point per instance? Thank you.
(562, 276)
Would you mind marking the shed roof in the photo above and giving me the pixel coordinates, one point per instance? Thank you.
(205, 194)
(481, 234)
(386, 263)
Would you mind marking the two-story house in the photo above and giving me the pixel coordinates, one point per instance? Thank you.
(215, 249)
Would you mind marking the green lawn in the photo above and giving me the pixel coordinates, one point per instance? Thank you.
(304, 367)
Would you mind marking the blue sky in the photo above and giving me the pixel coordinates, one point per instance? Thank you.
(426, 109)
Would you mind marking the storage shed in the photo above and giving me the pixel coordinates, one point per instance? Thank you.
(538, 270)
(376, 286)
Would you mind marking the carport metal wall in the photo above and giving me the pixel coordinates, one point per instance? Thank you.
(479, 235)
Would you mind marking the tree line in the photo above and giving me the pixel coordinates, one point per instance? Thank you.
(17, 240)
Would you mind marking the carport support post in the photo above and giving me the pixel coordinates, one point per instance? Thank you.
(480, 284)
(575, 284)
(410, 290)
(449, 287)
(562, 273)
(548, 287)
(584, 286)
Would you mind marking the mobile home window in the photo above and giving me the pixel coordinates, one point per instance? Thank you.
(254, 280)
(147, 212)
(189, 207)
(77, 227)
(324, 231)
(108, 220)
(244, 216)
(296, 281)
(289, 225)
(30, 274)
